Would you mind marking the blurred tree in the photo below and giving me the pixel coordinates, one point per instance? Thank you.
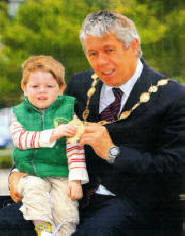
(40, 27)
(168, 53)
(51, 27)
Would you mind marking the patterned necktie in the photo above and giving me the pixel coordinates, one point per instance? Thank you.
(110, 113)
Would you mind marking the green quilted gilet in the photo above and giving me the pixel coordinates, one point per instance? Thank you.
(44, 162)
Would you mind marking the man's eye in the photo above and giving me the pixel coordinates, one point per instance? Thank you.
(92, 54)
(110, 50)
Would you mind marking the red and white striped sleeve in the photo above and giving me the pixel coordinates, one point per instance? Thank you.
(76, 163)
(25, 139)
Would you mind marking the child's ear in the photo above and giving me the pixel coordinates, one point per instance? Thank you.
(24, 90)
(62, 88)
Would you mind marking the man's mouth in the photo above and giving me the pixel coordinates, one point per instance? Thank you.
(108, 72)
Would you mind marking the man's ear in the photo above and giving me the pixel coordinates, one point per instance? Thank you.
(135, 45)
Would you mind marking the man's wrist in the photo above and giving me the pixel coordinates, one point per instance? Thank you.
(114, 152)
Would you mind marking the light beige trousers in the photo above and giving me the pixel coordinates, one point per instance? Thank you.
(46, 199)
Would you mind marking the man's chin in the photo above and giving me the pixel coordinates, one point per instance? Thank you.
(111, 83)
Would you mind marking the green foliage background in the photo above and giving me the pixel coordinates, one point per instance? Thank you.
(51, 27)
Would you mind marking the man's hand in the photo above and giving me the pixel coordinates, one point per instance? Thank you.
(75, 189)
(13, 184)
(98, 138)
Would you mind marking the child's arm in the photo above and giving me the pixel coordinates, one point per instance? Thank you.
(77, 170)
(24, 139)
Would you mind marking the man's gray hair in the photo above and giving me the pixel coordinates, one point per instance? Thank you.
(107, 21)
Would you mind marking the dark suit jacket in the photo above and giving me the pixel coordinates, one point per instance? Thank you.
(152, 142)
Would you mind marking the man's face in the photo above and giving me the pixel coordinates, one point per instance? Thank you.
(112, 61)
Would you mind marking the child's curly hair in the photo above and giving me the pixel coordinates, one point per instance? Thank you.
(45, 64)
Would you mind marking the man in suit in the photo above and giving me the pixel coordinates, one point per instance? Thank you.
(135, 145)
(138, 155)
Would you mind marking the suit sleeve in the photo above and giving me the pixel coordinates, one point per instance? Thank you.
(169, 154)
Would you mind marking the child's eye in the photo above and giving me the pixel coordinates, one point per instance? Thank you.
(50, 86)
(35, 86)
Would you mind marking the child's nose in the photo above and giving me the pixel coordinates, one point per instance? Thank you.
(42, 89)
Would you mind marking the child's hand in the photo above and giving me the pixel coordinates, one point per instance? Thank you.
(75, 189)
(63, 130)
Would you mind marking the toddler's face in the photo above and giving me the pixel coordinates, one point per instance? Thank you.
(42, 89)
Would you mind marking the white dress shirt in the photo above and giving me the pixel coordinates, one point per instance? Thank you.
(107, 97)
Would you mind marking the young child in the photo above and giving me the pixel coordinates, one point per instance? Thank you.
(55, 168)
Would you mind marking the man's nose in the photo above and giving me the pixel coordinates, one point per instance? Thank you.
(102, 59)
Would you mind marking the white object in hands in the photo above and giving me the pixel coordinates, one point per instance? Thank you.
(80, 129)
